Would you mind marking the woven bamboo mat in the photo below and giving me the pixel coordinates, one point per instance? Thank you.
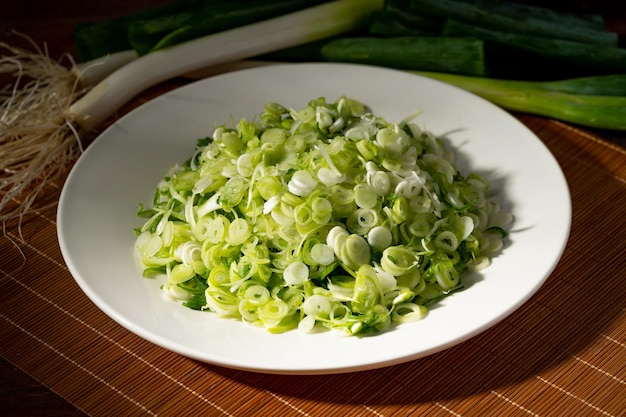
(563, 353)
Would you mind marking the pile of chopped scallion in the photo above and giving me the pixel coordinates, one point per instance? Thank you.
(327, 216)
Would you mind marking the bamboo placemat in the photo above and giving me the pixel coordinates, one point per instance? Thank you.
(563, 353)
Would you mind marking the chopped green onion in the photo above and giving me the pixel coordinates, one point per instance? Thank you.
(296, 273)
(379, 237)
(322, 254)
(288, 240)
(408, 312)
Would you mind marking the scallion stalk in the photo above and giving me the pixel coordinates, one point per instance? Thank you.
(593, 58)
(459, 55)
(205, 18)
(296, 28)
(496, 16)
(597, 101)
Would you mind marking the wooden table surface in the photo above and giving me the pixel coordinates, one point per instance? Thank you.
(563, 353)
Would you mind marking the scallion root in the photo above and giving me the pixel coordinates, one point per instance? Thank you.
(37, 141)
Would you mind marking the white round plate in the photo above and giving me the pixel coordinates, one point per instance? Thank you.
(99, 202)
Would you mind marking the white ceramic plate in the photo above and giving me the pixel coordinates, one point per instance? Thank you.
(97, 214)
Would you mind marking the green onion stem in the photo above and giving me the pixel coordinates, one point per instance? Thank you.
(585, 101)
(296, 28)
